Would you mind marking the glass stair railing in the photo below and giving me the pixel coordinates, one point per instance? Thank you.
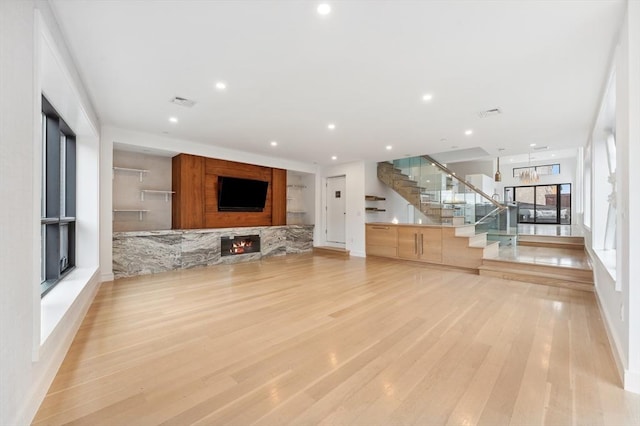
(440, 197)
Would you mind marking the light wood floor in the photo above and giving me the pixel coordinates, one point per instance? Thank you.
(307, 340)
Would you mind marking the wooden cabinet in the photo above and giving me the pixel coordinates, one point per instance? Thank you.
(382, 240)
(420, 243)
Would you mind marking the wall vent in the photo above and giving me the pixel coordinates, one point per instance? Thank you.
(182, 101)
(490, 112)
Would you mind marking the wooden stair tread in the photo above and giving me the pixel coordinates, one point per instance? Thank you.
(537, 273)
(528, 265)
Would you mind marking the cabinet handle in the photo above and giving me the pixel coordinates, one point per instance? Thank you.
(379, 227)
(415, 243)
(421, 244)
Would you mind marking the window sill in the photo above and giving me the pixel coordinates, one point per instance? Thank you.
(607, 259)
(56, 303)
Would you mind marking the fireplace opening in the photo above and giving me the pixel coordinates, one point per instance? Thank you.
(231, 246)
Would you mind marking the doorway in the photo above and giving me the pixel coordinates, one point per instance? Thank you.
(336, 209)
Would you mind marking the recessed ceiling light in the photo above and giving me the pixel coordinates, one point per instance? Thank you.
(334, 157)
(553, 155)
(324, 9)
(389, 147)
(532, 144)
(511, 160)
(331, 126)
(468, 132)
(427, 97)
(173, 119)
(274, 143)
(221, 85)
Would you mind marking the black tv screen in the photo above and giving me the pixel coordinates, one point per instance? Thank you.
(241, 195)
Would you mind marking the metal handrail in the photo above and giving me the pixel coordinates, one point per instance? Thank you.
(473, 187)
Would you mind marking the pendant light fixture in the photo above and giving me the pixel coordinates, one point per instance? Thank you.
(498, 176)
(529, 175)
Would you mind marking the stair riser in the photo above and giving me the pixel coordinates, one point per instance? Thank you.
(530, 278)
(571, 273)
(551, 245)
(551, 240)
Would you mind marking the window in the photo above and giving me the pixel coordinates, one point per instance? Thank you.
(542, 203)
(58, 199)
(548, 169)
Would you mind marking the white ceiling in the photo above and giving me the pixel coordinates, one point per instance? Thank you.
(364, 67)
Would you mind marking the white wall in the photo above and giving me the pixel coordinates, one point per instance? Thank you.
(619, 293)
(34, 335)
(127, 189)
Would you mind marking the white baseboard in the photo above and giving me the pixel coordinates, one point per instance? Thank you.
(106, 277)
(632, 381)
(616, 350)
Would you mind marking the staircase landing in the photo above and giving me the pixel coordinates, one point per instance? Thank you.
(548, 265)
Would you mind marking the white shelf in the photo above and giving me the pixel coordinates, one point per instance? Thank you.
(141, 172)
(156, 191)
(139, 211)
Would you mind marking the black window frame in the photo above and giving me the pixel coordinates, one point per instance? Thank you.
(534, 221)
(58, 209)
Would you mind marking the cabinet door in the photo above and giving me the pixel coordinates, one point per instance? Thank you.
(431, 245)
(382, 240)
(408, 240)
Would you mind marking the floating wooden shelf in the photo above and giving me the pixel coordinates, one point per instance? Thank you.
(374, 198)
(139, 211)
(141, 172)
(373, 210)
(156, 191)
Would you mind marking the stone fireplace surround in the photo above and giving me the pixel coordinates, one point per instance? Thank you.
(149, 252)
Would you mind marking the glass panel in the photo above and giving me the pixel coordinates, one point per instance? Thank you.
(43, 253)
(63, 175)
(525, 196)
(565, 204)
(508, 195)
(546, 204)
(64, 247)
(43, 178)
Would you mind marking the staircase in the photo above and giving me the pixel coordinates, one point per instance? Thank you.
(410, 191)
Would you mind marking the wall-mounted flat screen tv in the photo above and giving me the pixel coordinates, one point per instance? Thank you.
(241, 195)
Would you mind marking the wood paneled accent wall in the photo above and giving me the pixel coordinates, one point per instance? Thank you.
(195, 204)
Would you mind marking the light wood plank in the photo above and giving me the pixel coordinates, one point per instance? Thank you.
(319, 340)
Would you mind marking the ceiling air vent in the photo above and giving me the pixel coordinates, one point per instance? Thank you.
(182, 102)
(540, 148)
(490, 112)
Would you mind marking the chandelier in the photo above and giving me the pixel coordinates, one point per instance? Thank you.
(529, 175)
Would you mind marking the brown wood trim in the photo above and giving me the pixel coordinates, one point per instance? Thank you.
(279, 197)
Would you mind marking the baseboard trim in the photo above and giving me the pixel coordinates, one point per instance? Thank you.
(106, 277)
(618, 354)
(632, 381)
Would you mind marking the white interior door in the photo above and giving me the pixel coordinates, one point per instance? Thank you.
(336, 209)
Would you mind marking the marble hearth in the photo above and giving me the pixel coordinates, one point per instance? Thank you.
(150, 252)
